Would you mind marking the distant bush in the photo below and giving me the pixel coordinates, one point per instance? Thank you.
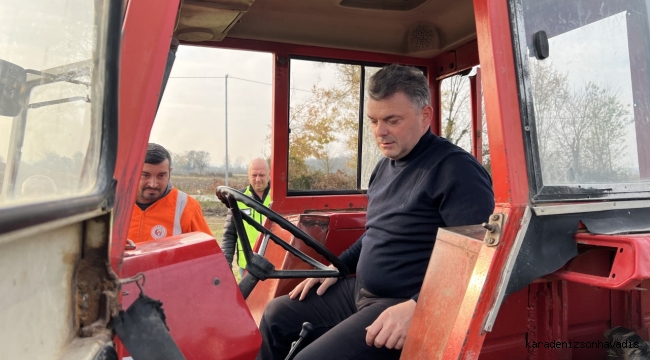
(318, 180)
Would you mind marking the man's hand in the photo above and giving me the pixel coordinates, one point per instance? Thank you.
(303, 287)
(391, 326)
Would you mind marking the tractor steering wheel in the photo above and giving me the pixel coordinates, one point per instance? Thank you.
(257, 266)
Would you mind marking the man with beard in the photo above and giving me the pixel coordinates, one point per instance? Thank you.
(161, 210)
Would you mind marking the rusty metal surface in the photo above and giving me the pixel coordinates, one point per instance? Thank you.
(450, 280)
(96, 284)
(464, 317)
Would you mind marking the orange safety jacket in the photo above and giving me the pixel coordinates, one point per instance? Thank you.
(174, 214)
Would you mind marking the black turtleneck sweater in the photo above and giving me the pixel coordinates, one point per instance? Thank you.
(436, 185)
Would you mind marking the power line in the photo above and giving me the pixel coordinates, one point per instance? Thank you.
(253, 81)
(230, 77)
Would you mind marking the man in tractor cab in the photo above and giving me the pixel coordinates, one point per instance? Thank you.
(259, 190)
(161, 210)
(423, 183)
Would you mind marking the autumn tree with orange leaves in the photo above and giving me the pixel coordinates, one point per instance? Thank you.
(324, 127)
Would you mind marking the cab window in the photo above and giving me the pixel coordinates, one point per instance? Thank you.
(584, 91)
(456, 111)
(324, 125)
(49, 138)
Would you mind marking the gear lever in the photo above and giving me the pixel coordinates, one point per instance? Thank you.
(306, 329)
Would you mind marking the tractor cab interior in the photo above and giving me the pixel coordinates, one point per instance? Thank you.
(515, 64)
(438, 37)
(551, 96)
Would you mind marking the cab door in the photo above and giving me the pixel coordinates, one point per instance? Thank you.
(58, 139)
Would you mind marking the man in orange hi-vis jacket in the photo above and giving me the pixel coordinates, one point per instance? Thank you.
(160, 210)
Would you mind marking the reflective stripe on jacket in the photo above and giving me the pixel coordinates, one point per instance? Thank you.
(250, 230)
(174, 214)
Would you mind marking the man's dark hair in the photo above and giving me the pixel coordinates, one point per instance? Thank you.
(157, 154)
(395, 78)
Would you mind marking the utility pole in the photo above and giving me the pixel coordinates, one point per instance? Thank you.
(226, 129)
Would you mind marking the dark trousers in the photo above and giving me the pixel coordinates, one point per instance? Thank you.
(340, 317)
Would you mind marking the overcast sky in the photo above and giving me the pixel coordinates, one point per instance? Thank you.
(192, 111)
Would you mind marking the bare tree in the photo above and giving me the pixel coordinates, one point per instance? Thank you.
(239, 166)
(370, 154)
(485, 155)
(329, 158)
(456, 111)
(180, 163)
(552, 96)
(580, 131)
(201, 160)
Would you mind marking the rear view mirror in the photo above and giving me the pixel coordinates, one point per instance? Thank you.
(12, 82)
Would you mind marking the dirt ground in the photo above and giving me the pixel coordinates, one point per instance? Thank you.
(215, 222)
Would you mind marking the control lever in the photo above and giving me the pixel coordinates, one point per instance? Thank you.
(307, 328)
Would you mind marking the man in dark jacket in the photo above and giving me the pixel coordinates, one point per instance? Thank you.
(258, 189)
(423, 182)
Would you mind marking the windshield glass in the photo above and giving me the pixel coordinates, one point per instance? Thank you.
(49, 139)
(588, 87)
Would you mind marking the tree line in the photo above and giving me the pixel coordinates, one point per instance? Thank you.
(193, 161)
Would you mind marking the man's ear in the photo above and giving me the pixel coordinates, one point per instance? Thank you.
(427, 115)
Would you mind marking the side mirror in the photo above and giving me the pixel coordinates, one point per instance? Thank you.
(13, 80)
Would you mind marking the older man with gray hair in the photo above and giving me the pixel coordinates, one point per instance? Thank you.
(260, 190)
(423, 182)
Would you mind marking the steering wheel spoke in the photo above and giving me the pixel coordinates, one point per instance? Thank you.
(283, 244)
(262, 270)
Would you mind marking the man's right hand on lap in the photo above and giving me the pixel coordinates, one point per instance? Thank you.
(304, 287)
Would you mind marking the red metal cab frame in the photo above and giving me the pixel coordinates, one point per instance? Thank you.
(147, 33)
